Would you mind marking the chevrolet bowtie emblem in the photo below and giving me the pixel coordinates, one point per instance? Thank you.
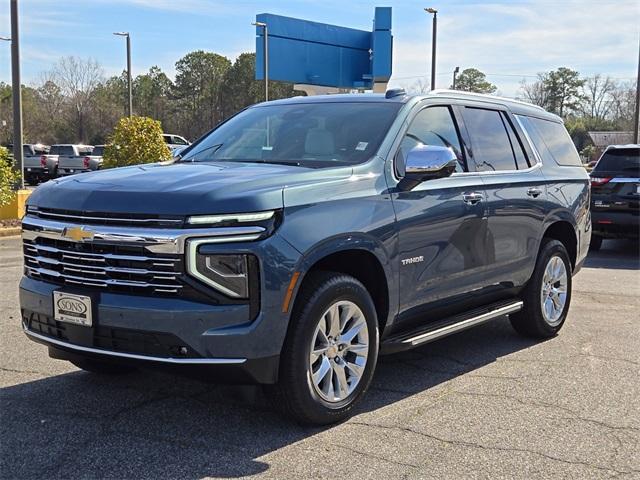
(77, 234)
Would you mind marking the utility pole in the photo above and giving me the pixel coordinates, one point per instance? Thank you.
(636, 117)
(434, 32)
(265, 40)
(17, 93)
(129, 87)
(455, 74)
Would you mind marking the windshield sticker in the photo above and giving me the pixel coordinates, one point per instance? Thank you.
(362, 146)
(267, 148)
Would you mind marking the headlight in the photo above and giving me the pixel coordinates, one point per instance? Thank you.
(230, 218)
(229, 274)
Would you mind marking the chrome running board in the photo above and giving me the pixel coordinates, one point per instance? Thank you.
(441, 329)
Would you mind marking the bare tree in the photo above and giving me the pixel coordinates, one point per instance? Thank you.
(597, 91)
(623, 104)
(78, 80)
(419, 87)
(535, 92)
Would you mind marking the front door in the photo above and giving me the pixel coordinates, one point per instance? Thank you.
(440, 226)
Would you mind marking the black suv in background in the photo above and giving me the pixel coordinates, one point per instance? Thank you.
(615, 194)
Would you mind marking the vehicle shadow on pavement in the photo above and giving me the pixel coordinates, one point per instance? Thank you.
(616, 254)
(152, 425)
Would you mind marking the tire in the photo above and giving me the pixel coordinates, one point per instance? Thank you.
(534, 320)
(596, 243)
(30, 180)
(102, 368)
(330, 399)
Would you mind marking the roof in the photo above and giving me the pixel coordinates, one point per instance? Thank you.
(604, 139)
(341, 97)
(628, 145)
(514, 105)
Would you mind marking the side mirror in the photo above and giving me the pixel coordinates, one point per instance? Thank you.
(426, 162)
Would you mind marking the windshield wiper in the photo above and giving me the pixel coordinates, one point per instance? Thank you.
(259, 160)
(192, 157)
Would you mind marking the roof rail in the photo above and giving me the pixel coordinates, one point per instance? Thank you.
(484, 96)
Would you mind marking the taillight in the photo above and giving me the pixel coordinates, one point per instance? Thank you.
(43, 160)
(599, 181)
(85, 161)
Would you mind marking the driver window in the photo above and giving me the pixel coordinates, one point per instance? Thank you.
(432, 126)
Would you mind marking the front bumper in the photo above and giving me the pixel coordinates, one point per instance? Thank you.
(189, 334)
(169, 333)
(609, 224)
(63, 172)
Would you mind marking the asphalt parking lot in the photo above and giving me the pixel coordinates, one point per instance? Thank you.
(483, 404)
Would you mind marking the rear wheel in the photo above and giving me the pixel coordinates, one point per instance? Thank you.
(103, 368)
(547, 295)
(331, 350)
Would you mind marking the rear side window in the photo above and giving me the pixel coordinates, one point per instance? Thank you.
(521, 158)
(620, 160)
(98, 151)
(27, 150)
(490, 141)
(558, 141)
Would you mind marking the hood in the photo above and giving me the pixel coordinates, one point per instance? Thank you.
(179, 188)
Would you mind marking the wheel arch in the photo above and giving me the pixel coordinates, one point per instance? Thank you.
(360, 257)
(564, 231)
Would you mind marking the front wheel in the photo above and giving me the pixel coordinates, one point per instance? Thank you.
(547, 295)
(330, 352)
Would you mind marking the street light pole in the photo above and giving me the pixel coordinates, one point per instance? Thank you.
(636, 117)
(265, 40)
(17, 93)
(129, 86)
(455, 73)
(433, 45)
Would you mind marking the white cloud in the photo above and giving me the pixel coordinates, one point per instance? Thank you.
(524, 39)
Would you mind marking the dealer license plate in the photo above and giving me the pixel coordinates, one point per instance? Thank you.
(71, 308)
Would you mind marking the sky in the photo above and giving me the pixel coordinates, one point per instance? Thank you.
(510, 41)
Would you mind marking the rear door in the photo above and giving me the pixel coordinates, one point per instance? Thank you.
(514, 208)
(615, 181)
(439, 222)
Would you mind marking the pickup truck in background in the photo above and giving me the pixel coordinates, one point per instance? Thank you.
(34, 170)
(71, 158)
(89, 158)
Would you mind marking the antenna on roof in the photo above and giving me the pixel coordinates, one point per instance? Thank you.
(395, 92)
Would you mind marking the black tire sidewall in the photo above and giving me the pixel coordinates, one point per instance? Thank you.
(550, 249)
(329, 288)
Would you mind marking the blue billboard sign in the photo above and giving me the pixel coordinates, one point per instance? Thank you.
(312, 53)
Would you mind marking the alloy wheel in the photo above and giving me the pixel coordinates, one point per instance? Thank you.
(553, 295)
(339, 351)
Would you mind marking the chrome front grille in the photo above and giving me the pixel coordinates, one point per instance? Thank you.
(99, 218)
(114, 268)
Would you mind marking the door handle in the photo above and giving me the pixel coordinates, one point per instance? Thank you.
(534, 192)
(472, 198)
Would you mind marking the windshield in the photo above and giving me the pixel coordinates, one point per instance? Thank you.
(621, 160)
(310, 135)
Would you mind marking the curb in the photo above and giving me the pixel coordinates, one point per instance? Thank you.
(10, 231)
